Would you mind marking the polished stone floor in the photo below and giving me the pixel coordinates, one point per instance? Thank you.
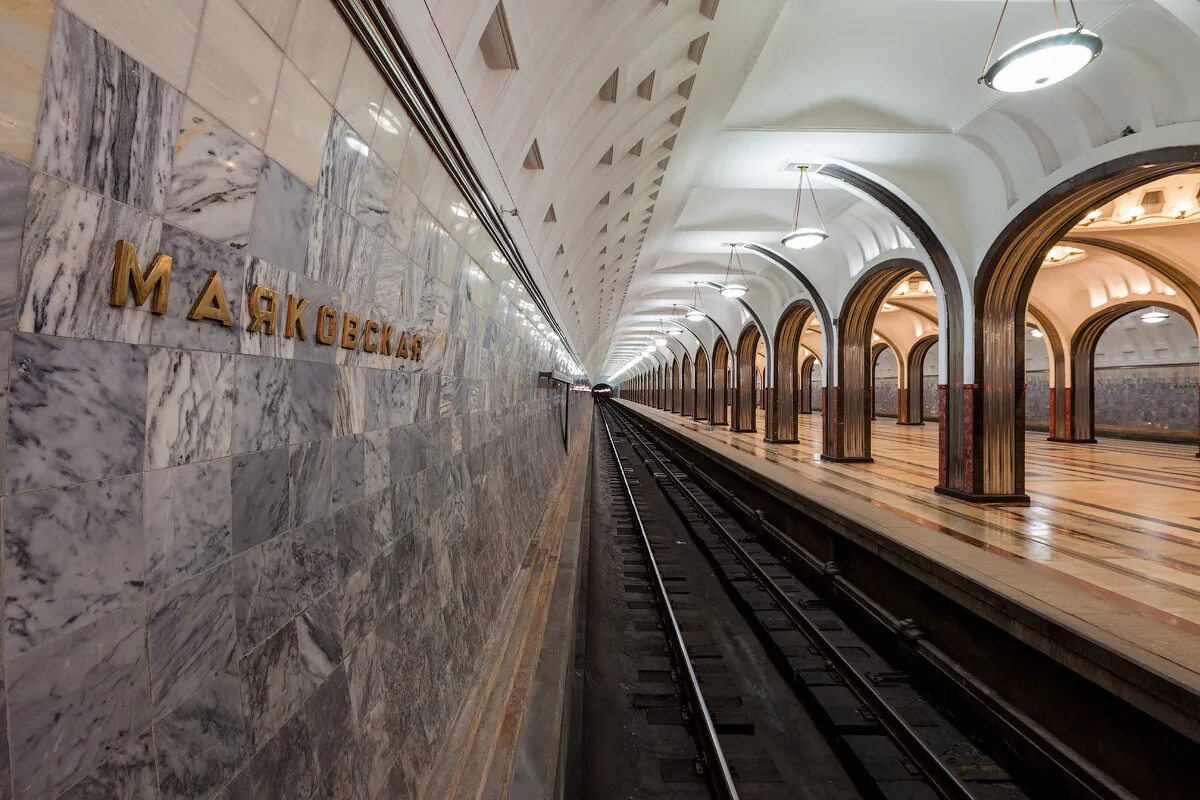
(1110, 543)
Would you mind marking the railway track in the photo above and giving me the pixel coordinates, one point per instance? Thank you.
(887, 737)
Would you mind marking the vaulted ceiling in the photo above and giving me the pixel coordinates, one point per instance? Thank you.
(634, 138)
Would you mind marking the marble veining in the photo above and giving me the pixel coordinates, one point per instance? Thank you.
(373, 201)
(282, 211)
(347, 475)
(331, 245)
(128, 771)
(262, 403)
(283, 282)
(349, 401)
(213, 179)
(188, 520)
(76, 700)
(310, 415)
(68, 231)
(266, 581)
(14, 192)
(191, 636)
(309, 478)
(76, 411)
(107, 122)
(343, 165)
(261, 497)
(202, 742)
(190, 410)
(71, 556)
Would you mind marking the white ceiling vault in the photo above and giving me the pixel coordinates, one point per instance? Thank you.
(635, 138)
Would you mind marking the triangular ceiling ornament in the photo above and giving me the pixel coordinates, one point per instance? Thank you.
(676, 119)
(603, 200)
(608, 92)
(550, 215)
(607, 158)
(686, 86)
(696, 47)
(636, 150)
(645, 89)
(533, 159)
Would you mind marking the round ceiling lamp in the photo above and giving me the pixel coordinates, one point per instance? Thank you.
(804, 237)
(1155, 317)
(1041, 60)
(674, 328)
(734, 289)
(695, 315)
(660, 341)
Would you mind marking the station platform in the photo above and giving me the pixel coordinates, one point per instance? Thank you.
(1108, 587)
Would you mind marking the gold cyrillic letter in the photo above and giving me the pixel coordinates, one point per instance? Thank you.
(385, 340)
(350, 331)
(326, 325)
(156, 280)
(211, 304)
(402, 345)
(369, 345)
(416, 347)
(264, 309)
(295, 322)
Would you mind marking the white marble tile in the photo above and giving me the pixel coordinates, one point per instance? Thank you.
(282, 213)
(195, 258)
(189, 411)
(415, 165)
(299, 125)
(14, 193)
(72, 555)
(213, 178)
(275, 17)
(283, 282)
(260, 417)
(319, 43)
(160, 35)
(360, 96)
(107, 122)
(76, 411)
(187, 523)
(77, 700)
(24, 43)
(392, 131)
(235, 70)
(374, 198)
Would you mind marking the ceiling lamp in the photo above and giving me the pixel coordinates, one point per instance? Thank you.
(734, 290)
(1155, 317)
(695, 313)
(1041, 60)
(802, 238)
(674, 329)
(660, 341)
(1035, 333)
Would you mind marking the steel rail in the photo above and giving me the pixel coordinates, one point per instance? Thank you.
(943, 779)
(718, 766)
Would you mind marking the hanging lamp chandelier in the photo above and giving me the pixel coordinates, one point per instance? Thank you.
(802, 238)
(674, 329)
(1041, 60)
(734, 290)
(695, 313)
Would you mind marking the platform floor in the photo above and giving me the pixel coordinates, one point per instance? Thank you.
(1110, 544)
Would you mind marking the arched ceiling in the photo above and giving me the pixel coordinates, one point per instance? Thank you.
(659, 131)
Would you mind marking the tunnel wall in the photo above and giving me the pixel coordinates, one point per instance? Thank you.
(239, 563)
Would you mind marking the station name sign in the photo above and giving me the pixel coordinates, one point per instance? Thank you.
(269, 313)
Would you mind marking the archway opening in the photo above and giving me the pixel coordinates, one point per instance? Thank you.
(719, 400)
(700, 398)
(744, 406)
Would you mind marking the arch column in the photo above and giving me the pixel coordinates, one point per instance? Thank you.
(910, 405)
(701, 398)
(717, 412)
(995, 423)
(744, 407)
(687, 396)
(791, 394)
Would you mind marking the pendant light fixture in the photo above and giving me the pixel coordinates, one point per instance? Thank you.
(802, 238)
(674, 329)
(695, 313)
(1155, 316)
(1041, 60)
(734, 290)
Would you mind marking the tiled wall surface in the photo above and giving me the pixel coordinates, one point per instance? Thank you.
(1160, 402)
(239, 565)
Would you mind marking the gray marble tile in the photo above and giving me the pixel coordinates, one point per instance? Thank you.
(359, 275)
(311, 412)
(393, 281)
(274, 683)
(374, 197)
(283, 283)
(347, 464)
(213, 179)
(107, 122)
(76, 411)
(310, 479)
(194, 259)
(5, 766)
(402, 212)
(72, 555)
(262, 403)
(126, 773)
(261, 504)
(267, 583)
(14, 192)
(202, 742)
(331, 245)
(343, 164)
(410, 447)
(76, 700)
(356, 606)
(190, 407)
(346, 780)
(349, 401)
(188, 521)
(377, 462)
(328, 714)
(315, 550)
(282, 213)
(405, 398)
(68, 232)
(191, 636)
(282, 769)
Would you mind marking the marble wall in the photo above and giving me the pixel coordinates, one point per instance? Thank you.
(1148, 402)
(237, 565)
